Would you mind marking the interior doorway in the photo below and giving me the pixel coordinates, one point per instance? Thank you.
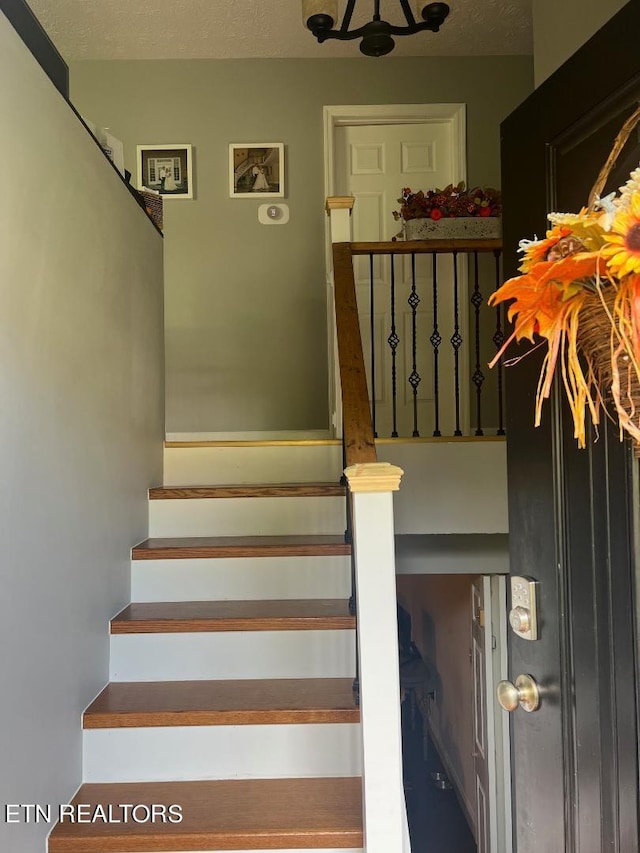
(458, 629)
(372, 153)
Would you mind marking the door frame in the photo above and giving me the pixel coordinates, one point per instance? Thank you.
(497, 742)
(344, 115)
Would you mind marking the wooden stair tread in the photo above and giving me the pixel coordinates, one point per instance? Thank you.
(252, 490)
(193, 616)
(229, 702)
(240, 546)
(238, 814)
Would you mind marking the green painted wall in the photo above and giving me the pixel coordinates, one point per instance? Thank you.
(245, 303)
(559, 29)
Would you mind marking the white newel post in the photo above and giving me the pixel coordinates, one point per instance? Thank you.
(372, 486)
(339, 212)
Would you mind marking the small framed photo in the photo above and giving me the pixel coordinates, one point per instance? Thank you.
(256, 169)
(167, 169)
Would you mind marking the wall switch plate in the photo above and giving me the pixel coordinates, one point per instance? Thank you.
(523, 616)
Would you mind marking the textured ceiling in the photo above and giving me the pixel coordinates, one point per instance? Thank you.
(225, 29)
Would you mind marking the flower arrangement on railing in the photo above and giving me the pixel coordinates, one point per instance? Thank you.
(579, 292)
(452, 201)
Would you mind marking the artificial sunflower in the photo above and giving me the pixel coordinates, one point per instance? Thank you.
(622, 250)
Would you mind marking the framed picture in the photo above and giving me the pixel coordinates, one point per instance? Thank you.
(256, 169)
(167, 169)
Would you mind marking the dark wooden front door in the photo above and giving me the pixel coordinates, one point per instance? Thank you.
(571, 512)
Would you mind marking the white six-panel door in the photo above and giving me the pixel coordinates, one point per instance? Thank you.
(374, 162)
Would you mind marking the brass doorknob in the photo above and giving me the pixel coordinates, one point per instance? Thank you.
(523, 693)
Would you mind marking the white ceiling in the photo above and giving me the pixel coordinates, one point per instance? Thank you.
(225, 29)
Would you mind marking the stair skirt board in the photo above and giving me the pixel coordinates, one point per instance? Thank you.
(209, 466)
(237, 654)
(240, 578)
(176, 753)
(246, 516)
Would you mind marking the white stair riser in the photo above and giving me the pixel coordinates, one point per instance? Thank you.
(247, 516)
(208, 466)
(233, 654)
(221, 752)
(241, 579)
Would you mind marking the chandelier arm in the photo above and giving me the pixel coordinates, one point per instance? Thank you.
(408, 12)
(341, 35)
(414, 28)
(348, 14)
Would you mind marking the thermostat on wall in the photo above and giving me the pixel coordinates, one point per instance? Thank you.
(273, 214)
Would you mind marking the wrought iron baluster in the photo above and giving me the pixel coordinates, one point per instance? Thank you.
(498, 339)
(478, 376)
(456, 343)
(414, 377)
(373, 345)
(393, 340)
(435, 341)
(348, 538)
(353, 599)
(356, 681)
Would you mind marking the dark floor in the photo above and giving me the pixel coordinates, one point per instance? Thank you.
(436, 821)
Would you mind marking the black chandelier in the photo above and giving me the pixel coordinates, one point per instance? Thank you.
(320, 17)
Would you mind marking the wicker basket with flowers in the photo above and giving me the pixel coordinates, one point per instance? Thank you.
(579, 291)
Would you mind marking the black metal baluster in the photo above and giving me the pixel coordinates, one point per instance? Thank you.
(456, 343)
(372, 332)
(348, 538)
(356, 681)
(414, 378)
(478, 375)
(498, 339)
(348, 533)
(353, 600)
(435, 340)
(393, 340)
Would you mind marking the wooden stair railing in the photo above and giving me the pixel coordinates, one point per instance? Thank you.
(359, 445)
(425, 247)
(369, 505)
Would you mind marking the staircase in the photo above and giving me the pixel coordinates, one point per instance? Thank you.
(231, 682)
